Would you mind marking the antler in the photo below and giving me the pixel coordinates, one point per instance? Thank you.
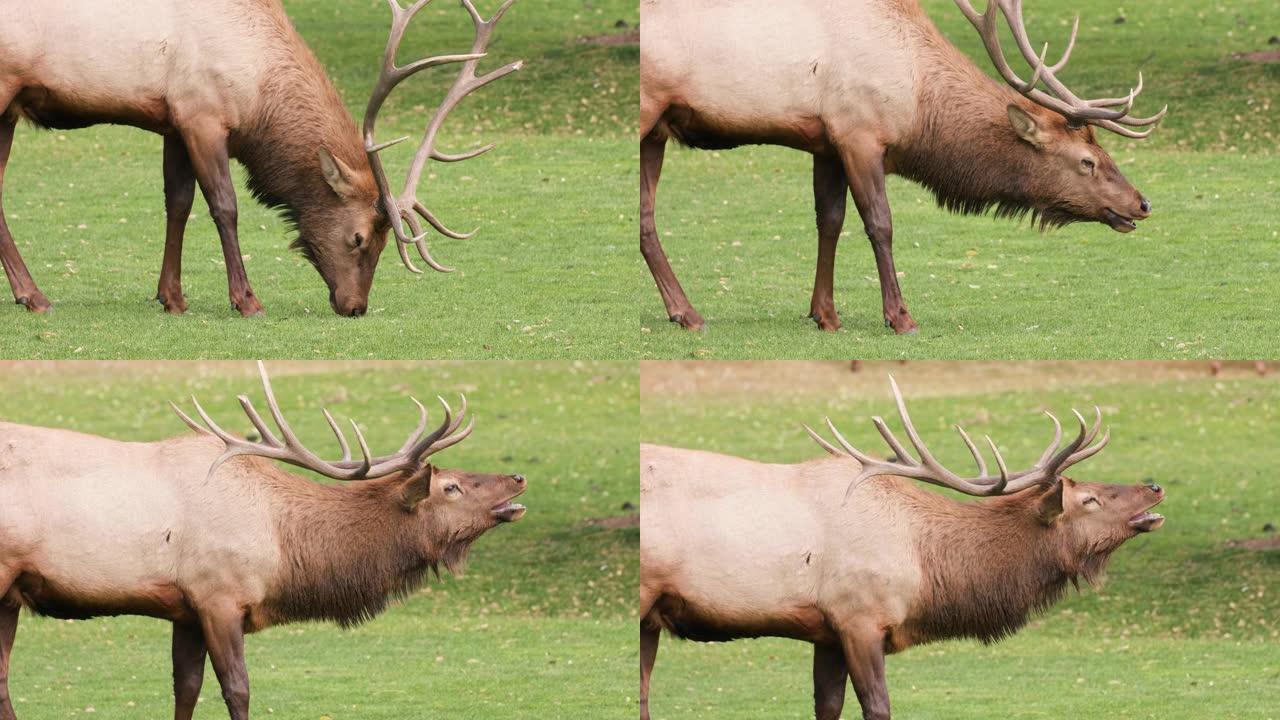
(1093, 112)
(1047, 469)
(404, 207)
(292, 451)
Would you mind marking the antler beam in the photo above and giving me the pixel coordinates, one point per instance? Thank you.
(407, 209)
(1107, 113)
(290, 449)
(1053, 461)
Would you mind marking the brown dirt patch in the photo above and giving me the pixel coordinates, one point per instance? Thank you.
(617, 522)
(630, 37)
(922, 378)
(1259, 544)
(1263, 56)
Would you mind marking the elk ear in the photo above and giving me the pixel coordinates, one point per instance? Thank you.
(338, 174)
(1026, 127)
(417, 488)
(1051, 502)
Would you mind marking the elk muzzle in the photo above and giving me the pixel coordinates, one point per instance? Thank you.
(507, 511)
(1146, 521)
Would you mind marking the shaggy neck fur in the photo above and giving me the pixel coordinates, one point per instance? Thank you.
(300, 112)
(965, 150)
(349, 550)
(990, 564)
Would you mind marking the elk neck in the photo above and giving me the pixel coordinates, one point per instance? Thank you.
(987, 565)
(964, 149)
(349, 549)
(300, 112)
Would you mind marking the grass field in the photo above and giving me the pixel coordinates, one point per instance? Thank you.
(1194, 281)
(1184, 628)
(548, 275)
(538, 627)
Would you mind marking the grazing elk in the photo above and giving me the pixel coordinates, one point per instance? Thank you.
(870, 87)
(231, 79)
(204, 531)
(849, 554)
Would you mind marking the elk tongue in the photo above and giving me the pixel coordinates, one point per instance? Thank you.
(508, 511)
(1146, 521)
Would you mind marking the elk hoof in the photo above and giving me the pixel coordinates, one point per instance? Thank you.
(689, 320)
(173, 306)
(249, 307)
(35, 303)
(828, 321)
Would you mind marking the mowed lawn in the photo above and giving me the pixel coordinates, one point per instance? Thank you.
(548, 275)
(1185, 626)
(1195, 280)
(539, 625)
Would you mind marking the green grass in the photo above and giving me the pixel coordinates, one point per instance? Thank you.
(538, 625)
(547, 276)
(1193, 281)
(1185, 626)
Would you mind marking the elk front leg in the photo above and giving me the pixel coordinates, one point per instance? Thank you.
(830, 676)
(864, 165)
(224, 638)
(8, 631)
(649, 636)
(25, 292)
(830, 187)
(679, 309)
(864, 656)
(207, 149)
(188, 668)
(179, 194)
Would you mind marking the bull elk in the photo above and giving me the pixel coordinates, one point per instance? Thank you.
(233, 79)
(848, 553)
(205, 532)
(869, 88)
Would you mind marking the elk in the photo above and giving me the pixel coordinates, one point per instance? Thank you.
(869, 88)
(205, 532)
(233, 79)
(851, 555)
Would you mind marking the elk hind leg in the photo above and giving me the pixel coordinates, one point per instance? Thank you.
(864, 166)
(207, 148)
(830, 677)
(679, 309)
(179, 194)
(25, 292)
(830, 188)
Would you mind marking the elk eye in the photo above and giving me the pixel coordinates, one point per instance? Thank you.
(1087, 163)
(452, 489)
(1091, 500)
(357, 242)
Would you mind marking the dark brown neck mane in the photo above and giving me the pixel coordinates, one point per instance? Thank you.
(349, 550)
(964, 148)
(301, 111)
(989, 565)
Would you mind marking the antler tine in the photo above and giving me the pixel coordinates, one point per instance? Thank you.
(1063, 100)
(337, 432)
(831, 449)
(927, 468)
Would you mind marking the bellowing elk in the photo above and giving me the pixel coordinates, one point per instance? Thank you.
(869, 88)
(231, 79)
(205, 532)
(849, 554)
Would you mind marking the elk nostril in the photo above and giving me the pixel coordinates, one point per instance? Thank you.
(1145, 205)
(518, 478)
(1154, 488)
(358, 311)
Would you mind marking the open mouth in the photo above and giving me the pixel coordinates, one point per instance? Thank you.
(507, 511)
(1118, 222)
(1146, 521)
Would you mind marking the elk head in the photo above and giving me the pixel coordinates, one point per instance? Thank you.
(1080, 180)
(1089, 520)
(453, 506)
